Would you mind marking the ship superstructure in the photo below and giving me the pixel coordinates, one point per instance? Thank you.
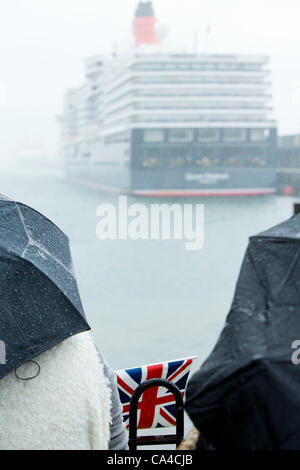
(152, 122)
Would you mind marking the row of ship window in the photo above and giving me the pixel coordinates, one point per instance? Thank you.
(204, 162)
(167, 66)
(157, 136)
(189, 66)
(181, 92)
(186, 92)
(178, 92)
(201, 117)
(201, 104)
(201, 92)
(191, 79)
(191, 105)
(205, 135)
(198, 79)
(195, 118)
(91, 105)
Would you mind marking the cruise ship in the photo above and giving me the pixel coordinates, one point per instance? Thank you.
(154, 122)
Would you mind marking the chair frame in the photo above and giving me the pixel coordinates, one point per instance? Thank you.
(134, 440)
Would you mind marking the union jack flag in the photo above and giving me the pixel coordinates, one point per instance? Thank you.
(157, 407)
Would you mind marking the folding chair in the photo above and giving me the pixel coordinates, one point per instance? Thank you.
(134, 440)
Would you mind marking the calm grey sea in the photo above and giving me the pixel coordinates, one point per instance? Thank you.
(150, 301)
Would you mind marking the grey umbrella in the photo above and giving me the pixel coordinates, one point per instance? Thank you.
(40, 304)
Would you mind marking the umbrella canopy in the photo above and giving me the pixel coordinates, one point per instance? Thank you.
(247, 393)
(40, 304)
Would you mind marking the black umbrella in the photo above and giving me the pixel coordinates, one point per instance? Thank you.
(40, 304)
(247, 393)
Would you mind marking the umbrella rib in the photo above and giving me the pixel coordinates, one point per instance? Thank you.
(290, 271)
(49, 254)
(34, 243)
(24, 226)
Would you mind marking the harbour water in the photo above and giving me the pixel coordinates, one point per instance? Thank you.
(150, 300)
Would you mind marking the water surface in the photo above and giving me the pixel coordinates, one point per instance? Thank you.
(150, 301)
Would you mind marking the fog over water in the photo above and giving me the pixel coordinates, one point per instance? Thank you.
(147, 300)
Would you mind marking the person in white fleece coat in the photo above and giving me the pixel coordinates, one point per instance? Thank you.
(67, 406)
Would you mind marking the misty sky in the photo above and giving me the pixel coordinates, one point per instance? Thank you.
(43, 43)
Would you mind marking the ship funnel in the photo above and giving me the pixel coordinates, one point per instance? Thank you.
(144, 25)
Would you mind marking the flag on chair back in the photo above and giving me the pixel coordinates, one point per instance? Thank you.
(157, 407)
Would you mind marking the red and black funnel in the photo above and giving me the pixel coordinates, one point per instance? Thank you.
(144, 24)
